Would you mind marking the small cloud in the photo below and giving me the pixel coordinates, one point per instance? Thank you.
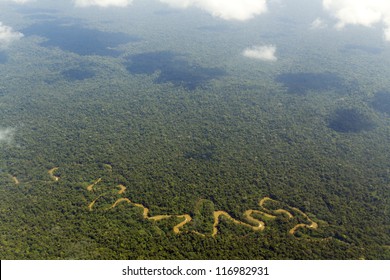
(265, 53)
(360, 12)
(102, 3)
(228, 10)
(6, 135)
(318, 24)
(7, 35)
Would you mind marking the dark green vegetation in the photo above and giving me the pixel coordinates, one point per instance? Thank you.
(301, 83)
(78, 39)
(217, 142)
(77, 74)
(172, 68)
(203, 216)
(350, 120)
(381, 102)
(203, 152)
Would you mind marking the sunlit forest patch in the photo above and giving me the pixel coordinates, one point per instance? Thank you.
(172, 68)
(350, 120)
(301, 83)
(75, 38)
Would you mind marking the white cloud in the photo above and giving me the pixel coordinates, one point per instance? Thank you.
(103, 3)
(318, 24)
(266, 53)
(226, 9)
(6, 135)
(360, 12)
(7, 35)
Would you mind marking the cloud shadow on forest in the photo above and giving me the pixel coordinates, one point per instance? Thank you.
(202, 152)
(350, 120)
(78, 74)
(3, 57)
(301, 83)
(381, 102)
(172, 68)
(78, 39)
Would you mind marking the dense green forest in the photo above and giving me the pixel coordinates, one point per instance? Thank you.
(175, 114)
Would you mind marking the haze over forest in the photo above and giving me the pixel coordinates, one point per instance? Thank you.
(194, 129)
